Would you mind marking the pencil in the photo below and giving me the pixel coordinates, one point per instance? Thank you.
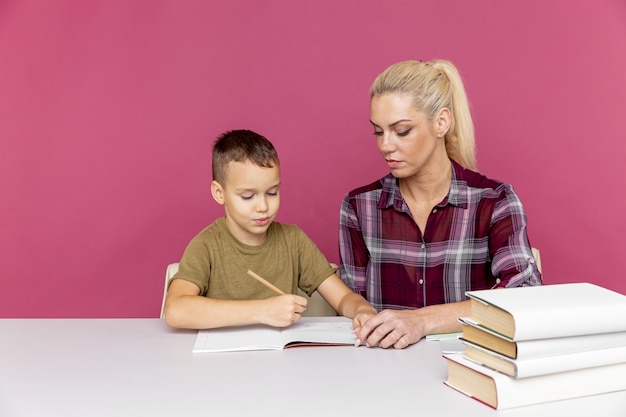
(264, 282)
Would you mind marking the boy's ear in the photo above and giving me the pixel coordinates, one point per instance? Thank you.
(217, 191)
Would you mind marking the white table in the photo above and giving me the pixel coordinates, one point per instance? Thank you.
(140, 367)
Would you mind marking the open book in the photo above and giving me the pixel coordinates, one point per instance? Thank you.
(309, 331)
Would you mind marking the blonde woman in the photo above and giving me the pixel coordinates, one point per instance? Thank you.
(414, 241)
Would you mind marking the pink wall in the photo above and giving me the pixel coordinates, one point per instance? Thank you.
(108, 110)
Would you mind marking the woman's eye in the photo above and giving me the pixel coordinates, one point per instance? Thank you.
(404, 133)
(378, 133)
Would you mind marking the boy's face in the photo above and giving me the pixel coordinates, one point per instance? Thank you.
(250, 196)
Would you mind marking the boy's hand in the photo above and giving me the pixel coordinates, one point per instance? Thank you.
(283, 310)
(361, 317)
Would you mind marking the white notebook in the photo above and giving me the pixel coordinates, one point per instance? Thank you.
(316, 331)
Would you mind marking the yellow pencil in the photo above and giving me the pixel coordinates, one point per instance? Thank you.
(264, 282)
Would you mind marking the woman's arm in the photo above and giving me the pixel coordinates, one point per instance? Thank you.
(401, 328)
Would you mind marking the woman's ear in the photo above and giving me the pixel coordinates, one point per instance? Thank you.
(443, 122)
(217, 191)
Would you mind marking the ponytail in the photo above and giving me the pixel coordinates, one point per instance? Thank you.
(434, 85)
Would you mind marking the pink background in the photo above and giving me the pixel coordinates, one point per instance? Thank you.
(108, 110)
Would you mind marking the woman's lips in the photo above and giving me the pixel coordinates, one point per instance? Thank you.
(392, 163)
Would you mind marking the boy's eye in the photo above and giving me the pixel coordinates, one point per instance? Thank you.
(273, 193)
(246, 197)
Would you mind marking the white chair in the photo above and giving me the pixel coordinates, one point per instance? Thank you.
(316, 307)
(169, 273)
(537, 256)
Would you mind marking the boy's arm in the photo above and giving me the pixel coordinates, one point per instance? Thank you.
(346, 302)
(186, 308)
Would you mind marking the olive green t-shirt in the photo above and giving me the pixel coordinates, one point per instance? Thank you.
(217, 263)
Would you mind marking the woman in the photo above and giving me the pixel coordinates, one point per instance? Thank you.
(414, 241)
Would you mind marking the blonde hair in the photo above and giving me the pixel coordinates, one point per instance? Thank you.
(434, 85)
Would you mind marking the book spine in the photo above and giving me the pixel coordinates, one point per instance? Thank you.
(511, 392)
(525, 368)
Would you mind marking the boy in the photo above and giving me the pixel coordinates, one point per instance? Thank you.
(212, 287)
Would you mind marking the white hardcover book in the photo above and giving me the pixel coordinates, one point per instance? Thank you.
(549, 311)
(525, 368)
(501, 391)
(526, 349)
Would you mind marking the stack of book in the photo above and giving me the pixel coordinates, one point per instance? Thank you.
(530, 345)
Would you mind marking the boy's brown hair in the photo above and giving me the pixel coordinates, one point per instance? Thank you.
(241, 146)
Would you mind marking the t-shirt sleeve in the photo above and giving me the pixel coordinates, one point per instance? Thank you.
(313, 267)
(195, 265)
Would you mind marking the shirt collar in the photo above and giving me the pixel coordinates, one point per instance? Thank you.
(391, 196)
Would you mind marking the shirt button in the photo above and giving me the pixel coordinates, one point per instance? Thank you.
(423, 246)
(498, 280)
(434, 211)
(421, 281)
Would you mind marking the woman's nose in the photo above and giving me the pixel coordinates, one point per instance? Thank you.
(385, 143)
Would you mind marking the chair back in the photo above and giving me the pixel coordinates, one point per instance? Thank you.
(537, 256)
(169, 273)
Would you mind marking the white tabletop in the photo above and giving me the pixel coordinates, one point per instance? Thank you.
(140, 367)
